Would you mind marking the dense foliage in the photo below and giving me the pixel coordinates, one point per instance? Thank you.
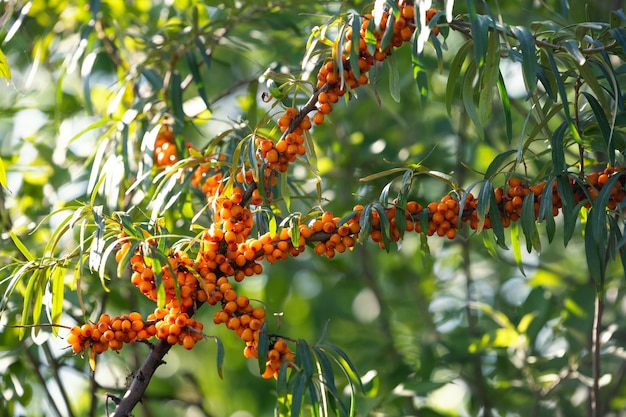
(390, 208)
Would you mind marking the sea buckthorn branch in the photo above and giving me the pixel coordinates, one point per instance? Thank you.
(227, 252)
(464, 27)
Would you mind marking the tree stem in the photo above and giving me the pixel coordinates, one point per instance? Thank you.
(141, 379)
(595, 353)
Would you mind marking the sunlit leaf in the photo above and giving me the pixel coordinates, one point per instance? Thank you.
(5, 70)
(22, 248)
(517, 249)
(57, 280)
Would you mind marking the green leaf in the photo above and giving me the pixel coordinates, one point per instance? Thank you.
(3, 174)
(176, 97)
(388, 35)
(594, 253)
(506, 107)
(304, 358)
(385, 226)
(495, 164)
(297, 393)
(496, 222)
(597, 215)
(454, 74)
(462, 202)
(569, 213)
(558, 150)
(365, 221)
(33, 298)
(197, 78)
(545, 209)
(619, 34)
(346, 365)
(571, 46)
(480, 32)
(203, 52)
(220, 357)
(591, 79)
(529, 56)
(468, 98)
(57, 279)
(5, 70)
(489, 78)
(563, 93)
(529, 226)
(394, 79)
(355, 23)
(263, 347)
(603, 124)
(327, 375)
(98, 243)
(21, 247)
(419, 70)
(517, 250)
(483, 204)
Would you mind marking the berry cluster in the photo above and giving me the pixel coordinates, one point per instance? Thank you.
(226, 252)
(165, 147)
(110, 333)
(333, 82)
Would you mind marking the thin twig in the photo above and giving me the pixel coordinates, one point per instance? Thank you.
(595, 353)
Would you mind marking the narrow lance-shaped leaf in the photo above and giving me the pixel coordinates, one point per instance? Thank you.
(529, 56)
(603, 124)
(21, 247)
(591, 79)
(597, 215)
(594, 253)
(529, 226)
(356, 45)
(220, 357)
(3, 174)
(478, 33)
(454, 74)
(176, 97)
(419, 71)
(558, 151)
(197, 78)
(483, 204)
(297, 394)
(567, 199)
(262, 347)
(506, 107)
(517, 250)
(394, 79)
(496, 222)
(489, 78)
(495, 164)
(468, 98)
(562, 93)
(98, 243)
(33, 296)
(545, 209)
(5, 70)
(385, 226)
(57, 281)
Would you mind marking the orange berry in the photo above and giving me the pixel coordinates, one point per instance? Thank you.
(188, 342)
